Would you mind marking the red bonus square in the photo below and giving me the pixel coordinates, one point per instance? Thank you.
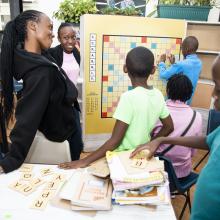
(105, 78)
(104, 114)
(178, 41)
(143, 39)
(106, 38)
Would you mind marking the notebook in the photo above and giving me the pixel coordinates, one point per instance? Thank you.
(93, 192)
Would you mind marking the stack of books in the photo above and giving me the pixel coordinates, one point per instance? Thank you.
(138, 180)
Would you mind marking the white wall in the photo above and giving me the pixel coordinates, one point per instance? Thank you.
(214, 13)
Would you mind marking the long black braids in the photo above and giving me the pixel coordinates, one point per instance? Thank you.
(15, 33)
(179, 87)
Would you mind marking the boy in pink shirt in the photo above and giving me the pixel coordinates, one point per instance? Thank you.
(179, 90)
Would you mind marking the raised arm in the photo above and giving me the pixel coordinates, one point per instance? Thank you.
(166, 73)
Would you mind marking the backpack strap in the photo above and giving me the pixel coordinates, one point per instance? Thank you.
(184, 132)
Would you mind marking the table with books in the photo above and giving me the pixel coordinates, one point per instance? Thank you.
(46, 192)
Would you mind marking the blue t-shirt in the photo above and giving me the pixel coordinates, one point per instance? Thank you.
(191, 67)
(206, 205)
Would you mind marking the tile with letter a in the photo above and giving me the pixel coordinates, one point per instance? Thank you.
(16, 185)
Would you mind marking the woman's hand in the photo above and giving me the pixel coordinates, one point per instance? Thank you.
(74, 164)
(150, 146)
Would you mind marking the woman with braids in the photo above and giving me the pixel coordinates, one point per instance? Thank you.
(47, 95)
(179, 90)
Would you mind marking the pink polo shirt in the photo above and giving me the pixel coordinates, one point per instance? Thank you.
(71, 67)
(181, 156)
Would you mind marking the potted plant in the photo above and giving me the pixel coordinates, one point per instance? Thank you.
(71, 10)
(185, 9)
(128, 11)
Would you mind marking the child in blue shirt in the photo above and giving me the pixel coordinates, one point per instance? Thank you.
(191, 65)
(206, 202)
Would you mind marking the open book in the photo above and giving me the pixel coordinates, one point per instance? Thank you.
(87, 192)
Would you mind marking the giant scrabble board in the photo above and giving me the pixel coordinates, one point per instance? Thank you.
(105, 41)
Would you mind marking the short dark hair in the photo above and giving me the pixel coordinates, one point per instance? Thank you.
(140, 62)
(62, 25)
(191, 43)
(179, 87)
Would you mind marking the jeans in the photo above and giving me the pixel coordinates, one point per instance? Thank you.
(75, 140)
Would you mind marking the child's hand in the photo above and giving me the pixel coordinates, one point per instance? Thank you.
(171, 58)
(163, 58)
(74, 164)
(151, 146)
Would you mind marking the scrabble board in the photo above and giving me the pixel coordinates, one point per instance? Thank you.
(114, 81)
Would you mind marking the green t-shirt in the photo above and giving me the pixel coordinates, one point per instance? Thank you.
(206, 204)
(140, 108)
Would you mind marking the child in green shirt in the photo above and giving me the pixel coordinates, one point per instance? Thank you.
(137, 112)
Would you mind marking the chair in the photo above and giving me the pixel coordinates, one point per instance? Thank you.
(3, 131)
(43, 151)
(213, 123)
(179, 186)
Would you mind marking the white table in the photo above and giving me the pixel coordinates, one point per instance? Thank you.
(15, 206)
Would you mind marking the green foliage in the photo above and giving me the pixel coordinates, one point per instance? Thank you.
(71, 10)
(189, 2)
(129, 11)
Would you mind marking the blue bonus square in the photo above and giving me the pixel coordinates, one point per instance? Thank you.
(110, 89)
(153, 46)
(133, 45)
(111, 67)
